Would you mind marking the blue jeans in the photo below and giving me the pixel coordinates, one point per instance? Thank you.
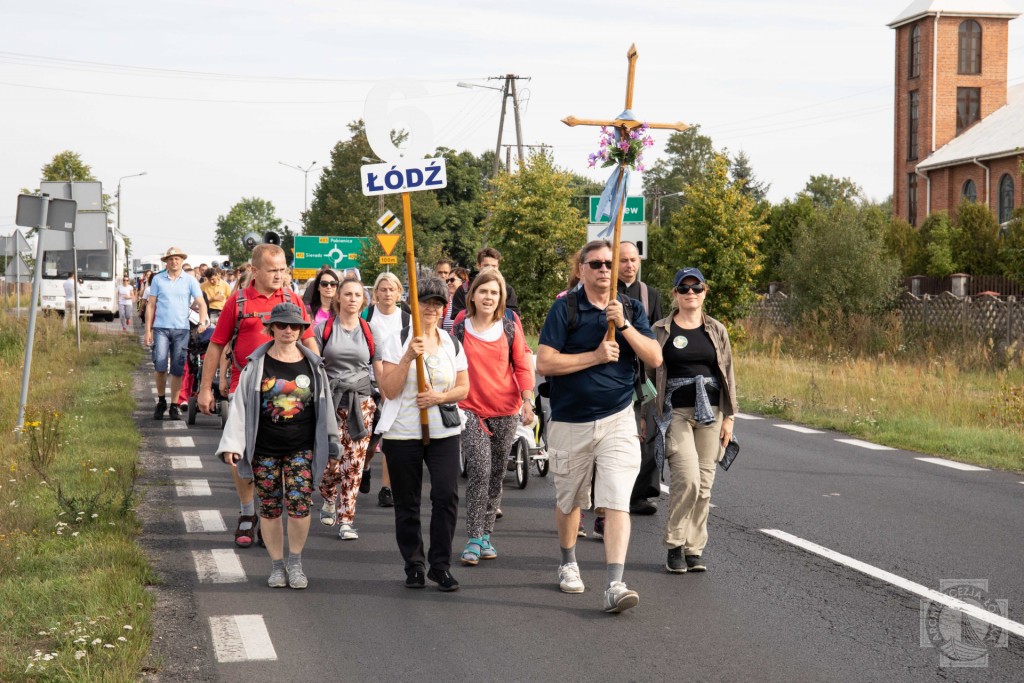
(173, 343)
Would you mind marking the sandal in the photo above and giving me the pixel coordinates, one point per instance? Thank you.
(244, 537)
(471, 557)
(487, 551)
(328, 514)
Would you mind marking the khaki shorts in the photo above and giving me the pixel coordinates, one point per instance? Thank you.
(610, 446)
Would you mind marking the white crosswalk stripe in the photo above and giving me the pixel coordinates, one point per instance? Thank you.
(192, 487)
(241, 638)
(186, 462)
(220, 565)
(203, 521)
(174, 424)
(179, 442)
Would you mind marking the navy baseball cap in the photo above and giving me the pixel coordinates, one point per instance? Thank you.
(684, 273)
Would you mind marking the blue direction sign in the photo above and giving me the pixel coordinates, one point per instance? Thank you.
(408, 176)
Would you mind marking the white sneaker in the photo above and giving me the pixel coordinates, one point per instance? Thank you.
(347, 533)
(569, 580)
(618, 598)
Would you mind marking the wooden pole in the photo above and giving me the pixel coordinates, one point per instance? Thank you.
(616, 238)
(414, 305)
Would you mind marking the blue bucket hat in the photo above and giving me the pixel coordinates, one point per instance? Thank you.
(684, 273)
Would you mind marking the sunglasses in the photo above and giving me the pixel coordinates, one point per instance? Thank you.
(328, 283)
(597, 265)
(686, 289)
(452, 280)
(281, 327)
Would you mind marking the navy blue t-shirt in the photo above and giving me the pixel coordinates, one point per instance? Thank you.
(601, 390)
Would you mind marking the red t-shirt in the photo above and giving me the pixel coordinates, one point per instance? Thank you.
(250, 333)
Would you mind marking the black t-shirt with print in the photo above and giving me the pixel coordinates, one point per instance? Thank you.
(689, 353)
(287, 418)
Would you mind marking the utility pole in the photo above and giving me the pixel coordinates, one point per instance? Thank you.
(508, 89)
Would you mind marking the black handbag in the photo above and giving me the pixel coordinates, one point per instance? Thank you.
(449, 414)
(731, 451)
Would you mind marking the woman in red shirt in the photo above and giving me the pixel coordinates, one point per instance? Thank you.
(500, 395)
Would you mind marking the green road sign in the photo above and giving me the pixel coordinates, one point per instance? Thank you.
(339, 253)
(633, 213)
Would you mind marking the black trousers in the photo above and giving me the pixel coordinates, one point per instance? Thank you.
(648, 480)
(406, 459)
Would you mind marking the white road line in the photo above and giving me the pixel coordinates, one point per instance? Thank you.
(192, 487)
(153, 390)
(179, 442)
(241, 638)
(186, 462)
(174, 424)
(220, 565)
(744, 416)
(967, 608)
(954, 465)
(202, 521)
(798, 428)
(865, 444)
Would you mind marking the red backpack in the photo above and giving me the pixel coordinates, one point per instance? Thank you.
(367, 334)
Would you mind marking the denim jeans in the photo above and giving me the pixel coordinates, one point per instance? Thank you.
(172, 343)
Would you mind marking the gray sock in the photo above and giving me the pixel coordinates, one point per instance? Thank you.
(294, 560)
(615, 573)
(568, 555)
(278, 564)
(249, 508)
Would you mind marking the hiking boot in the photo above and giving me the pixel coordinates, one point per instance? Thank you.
(444, 580)
(385, 498)
(161, 408)
(174, 412)
(695, 564)
(675, 563)
(618, 598)
(569, 580)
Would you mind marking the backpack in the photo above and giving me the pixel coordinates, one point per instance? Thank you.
(242, 315)
(572, 304)
(508, 324)
(367, 334)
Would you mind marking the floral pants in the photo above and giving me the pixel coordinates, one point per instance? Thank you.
(348, 474)
(284, 481)
(485, 446)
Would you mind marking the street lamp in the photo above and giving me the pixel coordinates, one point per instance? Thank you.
(133, 175)
(305, 187)
(657, 204)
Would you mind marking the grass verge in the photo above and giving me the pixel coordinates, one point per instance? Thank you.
(72, 579)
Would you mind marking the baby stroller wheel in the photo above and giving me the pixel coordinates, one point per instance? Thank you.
(192, 409)
(542, 467)
(521, 454)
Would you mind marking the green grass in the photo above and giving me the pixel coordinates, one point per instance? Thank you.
(72, 579)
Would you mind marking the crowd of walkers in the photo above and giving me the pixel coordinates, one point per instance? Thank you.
(319, 383)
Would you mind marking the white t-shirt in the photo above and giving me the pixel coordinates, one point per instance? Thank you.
(383, 326)
(400, 418)
(69, 290)
(124, 294)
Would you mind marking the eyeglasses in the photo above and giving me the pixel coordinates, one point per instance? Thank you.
(328, 283)
(281, 327)
(696, 288)
(596, 265)
(452, 280)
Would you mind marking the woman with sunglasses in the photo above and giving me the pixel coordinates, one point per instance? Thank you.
(325, 288)
(349, 349)
(125, 303)
(458, 276)
(281, 431)
(447, 383)
(694, 411)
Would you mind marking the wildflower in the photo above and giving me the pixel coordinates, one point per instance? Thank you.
(122, 639)
(96, 641)
(79, 654)
(128, 627)
(108, 646)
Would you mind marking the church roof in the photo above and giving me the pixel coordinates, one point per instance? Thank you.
(956, 8)
(999, 134)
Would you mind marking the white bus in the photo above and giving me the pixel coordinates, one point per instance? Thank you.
(99, 273)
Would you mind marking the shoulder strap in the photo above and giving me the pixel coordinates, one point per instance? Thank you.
(328, 327)
(368, 334)
(369, 312)
(572, 304)
(240, 300)
(406, 319)
(645, 298)
(459, 330)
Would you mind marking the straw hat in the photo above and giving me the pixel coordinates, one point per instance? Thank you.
(173, 251)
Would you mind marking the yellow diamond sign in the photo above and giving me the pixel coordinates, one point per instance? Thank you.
(388, 242)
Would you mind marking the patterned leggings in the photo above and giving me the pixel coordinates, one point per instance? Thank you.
(486, 458)
(287, 477)
(349, 472)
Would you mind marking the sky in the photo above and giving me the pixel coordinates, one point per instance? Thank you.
(207, 97)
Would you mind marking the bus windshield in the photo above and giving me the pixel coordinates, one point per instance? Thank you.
(93, 264)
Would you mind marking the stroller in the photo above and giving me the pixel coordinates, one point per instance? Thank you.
(195, 354)
(529, 448)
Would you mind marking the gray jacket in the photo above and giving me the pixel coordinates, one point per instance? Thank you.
(244, 415)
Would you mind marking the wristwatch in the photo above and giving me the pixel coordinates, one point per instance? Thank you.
(625, 326)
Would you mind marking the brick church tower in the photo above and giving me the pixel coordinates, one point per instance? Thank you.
(951, 73)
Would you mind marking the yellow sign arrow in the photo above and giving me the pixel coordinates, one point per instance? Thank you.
(388, 242)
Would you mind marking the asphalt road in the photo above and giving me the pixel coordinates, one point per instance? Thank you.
(768, 608)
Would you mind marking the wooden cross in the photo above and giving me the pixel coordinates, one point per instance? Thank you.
(624, 127)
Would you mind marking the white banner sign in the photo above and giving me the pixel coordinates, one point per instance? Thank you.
(413, 176)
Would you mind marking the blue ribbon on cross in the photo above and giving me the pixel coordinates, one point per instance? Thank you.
(614, 192)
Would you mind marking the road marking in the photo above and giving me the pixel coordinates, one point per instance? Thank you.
(865, 444)
(202, 521)
(744, 416)
(193, 487)
(954, 465)
(174, 424)
(241, 638)
(798, 428)
(186, 462)
(179, 442)
(220, 565)
(153, 390)
(975, 611)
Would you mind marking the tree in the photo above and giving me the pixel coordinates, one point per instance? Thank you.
(934, 253)
(536, 228)
(688, 156)
(783, 222)
(251, 214)
(717, 230)
(1011, 248)
(901, 240)
(840, 264)
(976, 248)
(743, 175)
(67, 166)
(825, 191)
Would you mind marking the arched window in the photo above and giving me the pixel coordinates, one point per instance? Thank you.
(970, 192)
(915, 52)
(969, 53)
(1005, 198)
